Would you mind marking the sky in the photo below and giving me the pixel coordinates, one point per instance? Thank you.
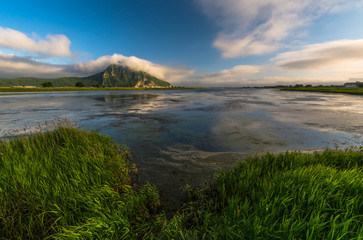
(186, 42)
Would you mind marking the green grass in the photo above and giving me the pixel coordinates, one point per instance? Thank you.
(355, 90)
(53, 89)
(73, 184)
(286, 196)
(57, 82)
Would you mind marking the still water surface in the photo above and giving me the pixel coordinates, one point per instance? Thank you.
(183, 136)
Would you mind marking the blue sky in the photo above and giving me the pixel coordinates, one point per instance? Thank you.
(190, 43)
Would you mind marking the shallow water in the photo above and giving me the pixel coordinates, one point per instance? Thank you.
(184, 136)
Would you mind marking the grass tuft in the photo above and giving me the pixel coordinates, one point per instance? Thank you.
(286, 196)
(70, 183)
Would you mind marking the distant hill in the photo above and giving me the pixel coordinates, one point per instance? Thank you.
(113, 76)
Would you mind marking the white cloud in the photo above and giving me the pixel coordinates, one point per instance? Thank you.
(54, 45)
(14, 66)
(261, 26)
(332, 62)
(326, 63)
(334, 54)
(236, 76)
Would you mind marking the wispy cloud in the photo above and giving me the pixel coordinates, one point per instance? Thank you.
(236, 76)
(14, 66)
(333, 62)
(324, 63)
(54, 45)
(262, 26)
(334, 54)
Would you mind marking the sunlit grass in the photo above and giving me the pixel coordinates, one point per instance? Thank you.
(286, 196)
(70, 183)
(355, 90)
(58, 89)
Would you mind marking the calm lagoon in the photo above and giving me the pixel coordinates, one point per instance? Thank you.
(184, 136)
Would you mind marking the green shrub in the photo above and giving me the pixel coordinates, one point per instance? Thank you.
(47, 84)
(79, 84)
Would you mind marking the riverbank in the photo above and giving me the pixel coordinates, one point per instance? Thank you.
(58, 89)
(70, 183)
(354, 91)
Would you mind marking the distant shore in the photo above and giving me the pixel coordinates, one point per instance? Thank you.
(354, 91)
(57, 89)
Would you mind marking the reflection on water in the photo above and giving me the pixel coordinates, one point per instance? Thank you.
(183, 136)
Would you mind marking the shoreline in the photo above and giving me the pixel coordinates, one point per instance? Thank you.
(71, 182)
(343, 90)
(75, 89)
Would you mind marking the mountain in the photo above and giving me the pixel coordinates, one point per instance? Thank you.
(119, 76)
(113, 76)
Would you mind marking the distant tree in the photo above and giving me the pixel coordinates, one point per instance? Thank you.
(79, 84)
(299, 85)
(97, 85)
(308, 85)
(360, 84)
(47, 84)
